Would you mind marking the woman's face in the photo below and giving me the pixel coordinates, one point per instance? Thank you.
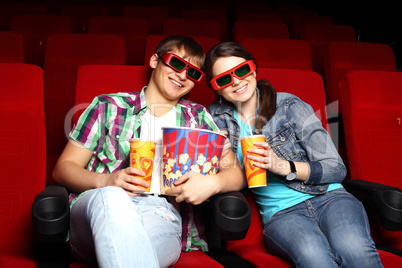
(239, 90)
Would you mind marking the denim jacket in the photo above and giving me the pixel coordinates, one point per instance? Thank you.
(294, 133)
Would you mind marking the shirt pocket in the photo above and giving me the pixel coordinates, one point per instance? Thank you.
(116, 145)
(284, 144)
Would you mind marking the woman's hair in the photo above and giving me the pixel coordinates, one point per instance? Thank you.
(175, 42)
(267, 103)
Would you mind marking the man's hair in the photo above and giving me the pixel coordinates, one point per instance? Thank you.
(187, 44)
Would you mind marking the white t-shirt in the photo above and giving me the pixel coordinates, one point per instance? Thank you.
(151, 129)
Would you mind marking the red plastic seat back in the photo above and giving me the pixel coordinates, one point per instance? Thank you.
(258, 29)
(319, 35)
(342, 57)
(64, 53)
(134, 31)
(11, 47)
(372, 119)
(279, 53)
(35, 29)
(192, 27)
(307, 85)
(94, 80)
(22, 153)
(258, 16)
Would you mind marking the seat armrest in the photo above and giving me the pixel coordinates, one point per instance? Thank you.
(51, 215)
(232, 215)
(385, 201)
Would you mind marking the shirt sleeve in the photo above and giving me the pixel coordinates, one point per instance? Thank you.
(87, 130)
(206, 121)
(326, 165)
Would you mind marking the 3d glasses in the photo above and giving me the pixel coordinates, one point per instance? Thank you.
(180, 65)
(240, 71)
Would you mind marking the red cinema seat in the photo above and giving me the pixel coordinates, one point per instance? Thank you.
(134, 31)
(155, 15)
(341, 57)
(209, 14)
(319, 35)
(35, 29)
(372, 109)
(81, 14)
(152, 41)
(299, 83)
(279, 53)
(64, 53)
(7, 11)
(11, 47)
(257, 29)
(299, 21)
(22, 158)
(288, 14)
(258, 16)
(192, 27)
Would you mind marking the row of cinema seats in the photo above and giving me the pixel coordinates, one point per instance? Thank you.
(65, 52)
(372, 120)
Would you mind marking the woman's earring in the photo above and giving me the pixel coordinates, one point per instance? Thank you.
(220, 99)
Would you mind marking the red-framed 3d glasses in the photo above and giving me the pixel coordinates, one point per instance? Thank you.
(240, 71)
(179, 65)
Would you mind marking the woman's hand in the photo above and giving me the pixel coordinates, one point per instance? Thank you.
(267, 159)
(128, 180)
(227, 145)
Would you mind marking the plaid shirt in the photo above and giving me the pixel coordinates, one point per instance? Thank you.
(108, 124)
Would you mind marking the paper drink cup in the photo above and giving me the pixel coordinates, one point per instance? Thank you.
(189, 149)
(256, 177)
(142, 153)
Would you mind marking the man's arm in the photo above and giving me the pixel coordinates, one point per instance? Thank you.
(70, 172)
(198, 188)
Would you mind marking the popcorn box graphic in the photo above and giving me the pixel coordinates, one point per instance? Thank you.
(189, 149)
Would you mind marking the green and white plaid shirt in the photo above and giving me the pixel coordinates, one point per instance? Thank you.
(108, 124)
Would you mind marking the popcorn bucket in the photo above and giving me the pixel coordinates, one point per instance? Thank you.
(189, 149)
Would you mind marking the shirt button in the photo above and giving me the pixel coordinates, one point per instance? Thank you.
(188, 234)
(257, 131)
(283, 138)
(303, 186)
(117, 136)
(320, 189)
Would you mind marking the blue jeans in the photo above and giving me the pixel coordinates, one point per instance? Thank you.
(116, 230)
(329, 230)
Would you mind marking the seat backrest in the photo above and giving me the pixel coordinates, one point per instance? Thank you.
(257, 29)
(258, 16)
(153, 40)
(279, 53)
(372, 119)
(155, 15)
(341, 57)
(94, 80)
(319, 35)
(209, 14)
(299, 21)
(81, 13)
(134, 30)
(307, 85)
(22, 153)
(7, 11)
(64, 53)
(35, 29)
(192, 27)
(11, 47)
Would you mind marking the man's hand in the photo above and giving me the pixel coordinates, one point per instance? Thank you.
(129, 179)
(194, 188)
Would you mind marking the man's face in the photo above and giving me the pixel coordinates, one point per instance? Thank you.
(171, 84)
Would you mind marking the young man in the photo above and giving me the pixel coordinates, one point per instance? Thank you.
(112, 223)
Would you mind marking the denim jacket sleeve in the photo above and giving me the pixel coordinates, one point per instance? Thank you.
(326, 165)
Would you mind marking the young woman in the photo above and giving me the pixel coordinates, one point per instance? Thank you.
(309, 218)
